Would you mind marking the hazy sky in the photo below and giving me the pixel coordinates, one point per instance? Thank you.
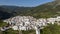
(25, 3)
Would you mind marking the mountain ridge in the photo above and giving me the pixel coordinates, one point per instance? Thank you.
(50, 9)
(13, 10)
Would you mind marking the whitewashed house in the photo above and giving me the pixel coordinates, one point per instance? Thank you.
(23, 22)
(58, 20)
(29, 22)
(51, 20)
(15, 28)
(42, 21)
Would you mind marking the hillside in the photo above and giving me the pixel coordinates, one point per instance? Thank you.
(50, 9)
(10, 11)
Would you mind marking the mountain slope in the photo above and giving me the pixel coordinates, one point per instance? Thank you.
(10, 11)
(50, 9)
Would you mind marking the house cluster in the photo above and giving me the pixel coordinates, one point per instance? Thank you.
(29, 22)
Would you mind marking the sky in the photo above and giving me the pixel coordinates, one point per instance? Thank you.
(25, 3)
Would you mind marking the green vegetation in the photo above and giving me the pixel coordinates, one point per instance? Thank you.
(2, 23)
(51, 29)
(47, 10)
(50, 9)
(10, 11)
(29, 32)
(10, 31)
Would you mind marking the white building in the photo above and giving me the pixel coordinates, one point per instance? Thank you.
(51, 20)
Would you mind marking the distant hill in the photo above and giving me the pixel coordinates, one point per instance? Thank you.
(50, 9)
(10, 11)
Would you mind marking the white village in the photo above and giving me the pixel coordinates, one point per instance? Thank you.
(28, 22)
